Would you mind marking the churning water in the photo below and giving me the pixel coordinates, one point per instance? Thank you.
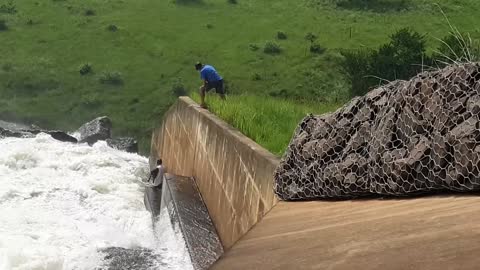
(72, 206)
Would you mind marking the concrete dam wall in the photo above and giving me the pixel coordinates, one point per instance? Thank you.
(235, 178)
(233, 173)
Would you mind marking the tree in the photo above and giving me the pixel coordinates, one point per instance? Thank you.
(401, 58)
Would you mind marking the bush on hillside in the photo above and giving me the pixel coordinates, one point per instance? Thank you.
(256, 77)
(311, 37)
(188, 2)
(89, 12)
(112, 78)
(253, 47)
(209, 26)
(112, 28)
(375, 5)
(232, 2)
(86, 69)
(317, 48)
(281, 35)
(7, 67)
(3, 25)
(178, 89)
(401, 58)
(271, 48)
(357, 67)
(8, 8)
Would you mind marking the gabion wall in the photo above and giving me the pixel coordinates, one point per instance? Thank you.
(403, 138)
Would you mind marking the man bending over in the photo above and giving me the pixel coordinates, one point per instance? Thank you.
(211, 79)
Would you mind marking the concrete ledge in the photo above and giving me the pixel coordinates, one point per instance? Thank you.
(430, 233)
(233, 173)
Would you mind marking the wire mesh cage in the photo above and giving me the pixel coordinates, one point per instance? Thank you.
(406, 137)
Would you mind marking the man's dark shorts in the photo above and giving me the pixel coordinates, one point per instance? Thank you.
(217, 85)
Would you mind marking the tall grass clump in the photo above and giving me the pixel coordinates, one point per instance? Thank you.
(456, 47)
(268, 121)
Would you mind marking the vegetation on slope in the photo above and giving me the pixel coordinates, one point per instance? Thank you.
(64, 62)
(268, 121)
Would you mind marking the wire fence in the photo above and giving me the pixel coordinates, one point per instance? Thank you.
(404, 138)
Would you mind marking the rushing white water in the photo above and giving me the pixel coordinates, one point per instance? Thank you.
(60, 203)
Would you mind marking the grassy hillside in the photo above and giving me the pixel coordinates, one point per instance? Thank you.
(138, 50)
(270, 122)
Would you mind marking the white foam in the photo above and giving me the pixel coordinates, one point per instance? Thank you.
(60, 202)
(172, 247)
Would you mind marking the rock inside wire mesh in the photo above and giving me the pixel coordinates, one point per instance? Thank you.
(404, 138)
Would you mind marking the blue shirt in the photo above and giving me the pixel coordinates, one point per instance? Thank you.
(209, 74)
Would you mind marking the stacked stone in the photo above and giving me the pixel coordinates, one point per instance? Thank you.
(403, 138)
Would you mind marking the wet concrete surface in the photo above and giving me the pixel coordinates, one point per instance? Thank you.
(152, 200)
(117, 258)
(188, 212)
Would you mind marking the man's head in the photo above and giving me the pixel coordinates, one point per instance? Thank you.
(159, 162)
(198, 66)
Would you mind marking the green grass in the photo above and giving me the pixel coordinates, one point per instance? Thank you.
(268, 121)
(156, 43)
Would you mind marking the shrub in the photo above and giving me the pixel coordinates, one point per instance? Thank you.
(30, 22)
(189, 2)
(317, 48)
(90, 12)
(112, 28)
(253, 47)
(178, 89)
(281, 35)
(401, 58)
(209, 26)
(375, 5)
(271, 48)
(7, 67)
(256, 77)
(8, 8)
(282, 93)
(134, 101)
(112, 78)
(86, 69)
(357, 65)
(232, 2)
(3, 25)
(311, 37)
